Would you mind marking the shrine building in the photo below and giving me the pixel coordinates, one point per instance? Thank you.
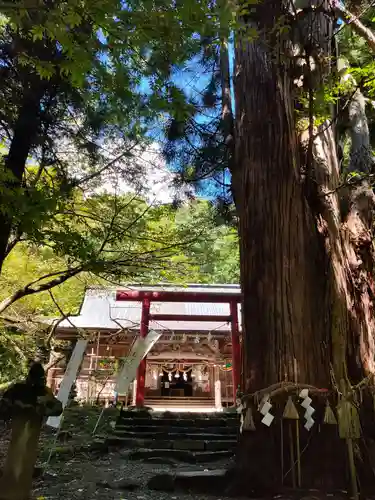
(195, 364)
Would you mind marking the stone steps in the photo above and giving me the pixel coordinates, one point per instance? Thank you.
(176, 422)
(209, 435)
(181, 415)
(172, 444)
(185, 456)
(194, 402)
(175, 404)
(198, 435)
(172, 429)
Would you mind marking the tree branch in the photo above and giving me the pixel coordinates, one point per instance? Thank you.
(109, 164)
(63, 317)
(356, 25)
(16, 347)
(53, 363)
(30, 289)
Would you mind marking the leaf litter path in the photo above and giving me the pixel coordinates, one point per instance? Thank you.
(83, 477)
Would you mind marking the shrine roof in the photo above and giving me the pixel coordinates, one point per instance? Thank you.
(101, 311)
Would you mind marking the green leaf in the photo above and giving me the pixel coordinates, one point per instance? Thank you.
(37, 32)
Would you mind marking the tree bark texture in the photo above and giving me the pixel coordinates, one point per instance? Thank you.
(306, 268)
(283, 263)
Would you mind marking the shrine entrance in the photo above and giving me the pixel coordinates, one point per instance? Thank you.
(187, 381)
(177, 384)
(147, 297)
(194, 364)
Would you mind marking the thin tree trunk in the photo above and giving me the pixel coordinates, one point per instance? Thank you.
(25, 131)
(226, 98)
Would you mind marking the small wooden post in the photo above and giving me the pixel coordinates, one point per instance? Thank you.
(291, 413)
(16, 481)
(218, 403)
(349, 429)
(134, 400)
(292, 460)
(26, 404)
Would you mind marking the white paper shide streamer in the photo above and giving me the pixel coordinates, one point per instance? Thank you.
(309, 410)
(264, 408)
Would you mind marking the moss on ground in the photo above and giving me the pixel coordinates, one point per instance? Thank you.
(76, 432)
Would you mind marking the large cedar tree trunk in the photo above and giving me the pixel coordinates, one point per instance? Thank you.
(306, 267)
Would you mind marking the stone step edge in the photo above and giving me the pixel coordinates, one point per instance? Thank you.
(155, 418)
(180, 422)
(177, 430)
(182, 456)
(199, 436)
(181, 415)
(187, 445)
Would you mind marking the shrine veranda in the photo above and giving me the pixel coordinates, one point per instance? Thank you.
(195, 363)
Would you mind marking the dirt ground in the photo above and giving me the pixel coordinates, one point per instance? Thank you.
(87, 478)
(75, 473)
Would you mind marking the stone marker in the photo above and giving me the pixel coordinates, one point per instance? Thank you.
(26, 404)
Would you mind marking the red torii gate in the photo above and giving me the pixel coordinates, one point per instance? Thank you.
(146, 297)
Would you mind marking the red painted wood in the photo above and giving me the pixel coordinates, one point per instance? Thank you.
(170, 296)
(146, 297)
(236, 348)
(141, 373)
(190, 317)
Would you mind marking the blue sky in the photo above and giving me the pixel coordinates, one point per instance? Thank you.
(192, 79)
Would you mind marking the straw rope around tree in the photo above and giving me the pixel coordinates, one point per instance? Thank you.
(345, 414)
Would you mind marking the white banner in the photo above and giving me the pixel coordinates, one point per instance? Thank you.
(70, 376)
(140, 349)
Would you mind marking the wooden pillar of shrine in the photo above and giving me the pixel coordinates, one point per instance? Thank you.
(236, 348)
(141, 373)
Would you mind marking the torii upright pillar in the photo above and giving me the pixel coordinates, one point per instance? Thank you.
(141, 373)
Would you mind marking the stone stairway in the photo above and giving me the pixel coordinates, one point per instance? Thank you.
(179, 404)
(189, 437)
